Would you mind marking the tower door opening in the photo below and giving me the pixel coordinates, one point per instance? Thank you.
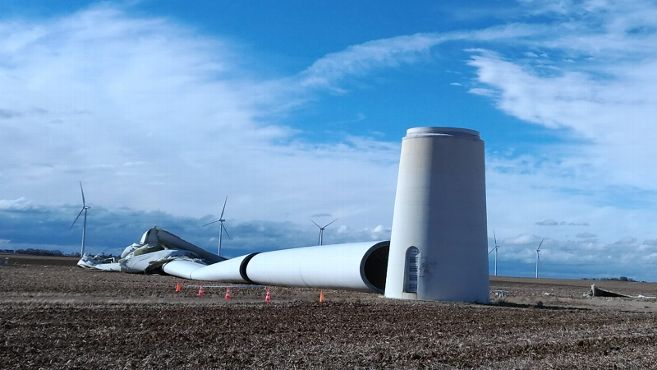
(412, 269)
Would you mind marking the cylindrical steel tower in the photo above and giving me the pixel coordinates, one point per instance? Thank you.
(438, 246)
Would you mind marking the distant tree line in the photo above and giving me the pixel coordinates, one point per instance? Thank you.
(620, 278)
(45, 252)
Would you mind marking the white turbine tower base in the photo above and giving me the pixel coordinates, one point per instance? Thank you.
(84, 221)
(438, 243)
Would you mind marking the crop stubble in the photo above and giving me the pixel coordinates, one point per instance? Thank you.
(60, 316)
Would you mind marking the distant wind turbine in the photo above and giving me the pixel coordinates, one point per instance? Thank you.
(222, 228)
(538, 256)
(84, 223)
(321, 230)
(494, 249)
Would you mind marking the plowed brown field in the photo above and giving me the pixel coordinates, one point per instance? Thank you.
(55, 315)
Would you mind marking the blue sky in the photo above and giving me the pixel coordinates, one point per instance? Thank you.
(296, 110)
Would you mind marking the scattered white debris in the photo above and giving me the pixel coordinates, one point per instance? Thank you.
(500, 293)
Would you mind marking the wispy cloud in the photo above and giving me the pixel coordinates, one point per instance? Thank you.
(550, 222)
(600, 85)
(360, 59)
(14, 204)
(594, 84)
(154, 116)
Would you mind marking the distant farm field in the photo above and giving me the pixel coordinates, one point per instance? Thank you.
(56, 315)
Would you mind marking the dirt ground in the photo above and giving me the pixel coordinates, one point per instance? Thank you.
(56, 315)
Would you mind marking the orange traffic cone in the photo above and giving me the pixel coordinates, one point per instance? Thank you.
(267, 296)
(201, 292)
(321, 296)
(227, 297)
(179, 287)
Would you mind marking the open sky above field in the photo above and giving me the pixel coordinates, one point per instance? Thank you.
(295, 110)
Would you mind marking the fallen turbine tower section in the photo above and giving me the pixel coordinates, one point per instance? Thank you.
(227, 271)
(358, 266)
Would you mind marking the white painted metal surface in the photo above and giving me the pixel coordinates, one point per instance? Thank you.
(182, 268)
(89, 262)
(157, 236)
(150, 262)
(359, 266)
(228, 271)
(440, 209)
(157, 248)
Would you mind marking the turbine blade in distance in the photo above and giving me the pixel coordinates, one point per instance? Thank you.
(225, 230)
(76, 218)
(84, 201)
(224, 207)
(212, 222)
(325, 226)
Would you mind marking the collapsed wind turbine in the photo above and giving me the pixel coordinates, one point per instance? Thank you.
(538, 256)
(441, 169)
(321, 230)
(84, 223)
(222, 228)
(494, 249)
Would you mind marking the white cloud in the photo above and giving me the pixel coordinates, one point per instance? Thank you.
(359, 59)
(482, 91)
(599, 94)
(15, 204)
(606, 93)
(154, 116)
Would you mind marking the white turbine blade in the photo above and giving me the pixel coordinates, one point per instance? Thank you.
(495, 239)
(212, 222)
(84, 201)
(539, 245)
(224, 207)
(319, 227)
(225, 230)
(491, 250)
(325, 226)
(76, 218)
